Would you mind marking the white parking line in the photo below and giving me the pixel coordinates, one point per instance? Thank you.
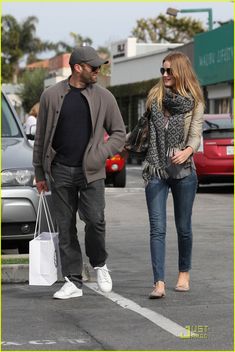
(136, 167)
(156, 318)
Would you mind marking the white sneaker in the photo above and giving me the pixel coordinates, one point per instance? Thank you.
(103, 278)
(68, 290)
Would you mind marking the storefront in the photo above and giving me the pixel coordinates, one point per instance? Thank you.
(135, 68)
(214, 65)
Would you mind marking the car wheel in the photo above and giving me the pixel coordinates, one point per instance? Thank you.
(119, 178)
(23, 247)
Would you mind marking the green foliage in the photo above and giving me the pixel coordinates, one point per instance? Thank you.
(33, 86)
(7, 261)
(166, 29)
(19, 41)
(11, 53)
(7, 71)
(78, 40)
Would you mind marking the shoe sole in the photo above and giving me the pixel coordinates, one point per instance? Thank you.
(181, 289)
(70, 296)
(157, 297)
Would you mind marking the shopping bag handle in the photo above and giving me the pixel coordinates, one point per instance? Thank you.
(48, 214)
(38, 219)
(43, 203)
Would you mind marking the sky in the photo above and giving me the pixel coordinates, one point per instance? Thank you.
(103, 22)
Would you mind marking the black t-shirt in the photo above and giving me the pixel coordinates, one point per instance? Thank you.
(73, 129)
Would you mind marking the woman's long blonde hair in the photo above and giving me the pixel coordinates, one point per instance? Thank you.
(34, 110)
(186, 82)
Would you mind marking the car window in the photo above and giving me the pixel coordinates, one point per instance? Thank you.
(218, 128)
(218, 123)
(10, 127)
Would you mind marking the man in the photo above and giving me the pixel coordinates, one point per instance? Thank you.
(69, 148)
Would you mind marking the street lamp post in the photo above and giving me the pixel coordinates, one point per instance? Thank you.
(173, 12)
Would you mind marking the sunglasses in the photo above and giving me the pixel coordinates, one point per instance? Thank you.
(93, 68)
(167, 70)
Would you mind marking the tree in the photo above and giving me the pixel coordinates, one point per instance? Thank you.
(33, 86)
(19, 41)
(166, 29)
(78, 40)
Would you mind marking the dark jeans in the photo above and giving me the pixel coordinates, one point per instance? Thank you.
(183, 192)
(71, 193)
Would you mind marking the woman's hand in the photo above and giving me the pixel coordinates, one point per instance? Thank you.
(182, 155)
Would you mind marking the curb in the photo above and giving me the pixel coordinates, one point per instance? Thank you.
(15, 273)
(19, 273)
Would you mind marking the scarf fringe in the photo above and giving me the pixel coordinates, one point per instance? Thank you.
(150, 171)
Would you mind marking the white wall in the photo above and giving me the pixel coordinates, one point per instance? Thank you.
(141, 68)
(138, 68)
(219, 90)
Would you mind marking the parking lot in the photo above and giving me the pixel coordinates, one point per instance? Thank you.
(127, 319)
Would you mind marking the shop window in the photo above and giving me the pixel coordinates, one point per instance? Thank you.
(141, 107)
(222, 106)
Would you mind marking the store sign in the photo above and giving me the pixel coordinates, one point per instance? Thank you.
(119, 50)
(214, 55)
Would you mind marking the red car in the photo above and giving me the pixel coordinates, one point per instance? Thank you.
(115, 169)
(215, 158)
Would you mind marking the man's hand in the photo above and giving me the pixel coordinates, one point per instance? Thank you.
(182, 155)
(42, 186)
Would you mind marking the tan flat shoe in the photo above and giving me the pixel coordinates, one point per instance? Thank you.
(157, 293)
(182, 288)
(183, 282)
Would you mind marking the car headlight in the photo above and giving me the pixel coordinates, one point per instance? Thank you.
(24, 177)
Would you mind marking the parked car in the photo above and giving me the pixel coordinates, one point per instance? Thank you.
(19, 194)
(115, 169)
(215, 158)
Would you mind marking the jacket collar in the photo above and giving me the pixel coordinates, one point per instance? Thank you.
(67, 88)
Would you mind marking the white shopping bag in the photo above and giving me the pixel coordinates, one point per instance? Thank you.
(44, 258)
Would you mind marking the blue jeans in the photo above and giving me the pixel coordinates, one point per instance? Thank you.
(183, 192)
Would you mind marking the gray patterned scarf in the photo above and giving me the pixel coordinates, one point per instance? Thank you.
(164, 142)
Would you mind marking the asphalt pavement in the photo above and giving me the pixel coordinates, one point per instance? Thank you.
(126, 319)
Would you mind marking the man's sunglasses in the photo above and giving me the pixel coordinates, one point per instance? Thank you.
(93, 68)
(167, 70)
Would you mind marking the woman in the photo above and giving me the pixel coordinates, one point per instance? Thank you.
(31, 119)
(175, 128)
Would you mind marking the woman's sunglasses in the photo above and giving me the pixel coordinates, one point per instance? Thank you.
(167, 70)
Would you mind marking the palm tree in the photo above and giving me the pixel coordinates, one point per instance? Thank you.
(18, 41)
(78, 40)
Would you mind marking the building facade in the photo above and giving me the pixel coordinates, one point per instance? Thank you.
(135, 69)
(214, 65)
